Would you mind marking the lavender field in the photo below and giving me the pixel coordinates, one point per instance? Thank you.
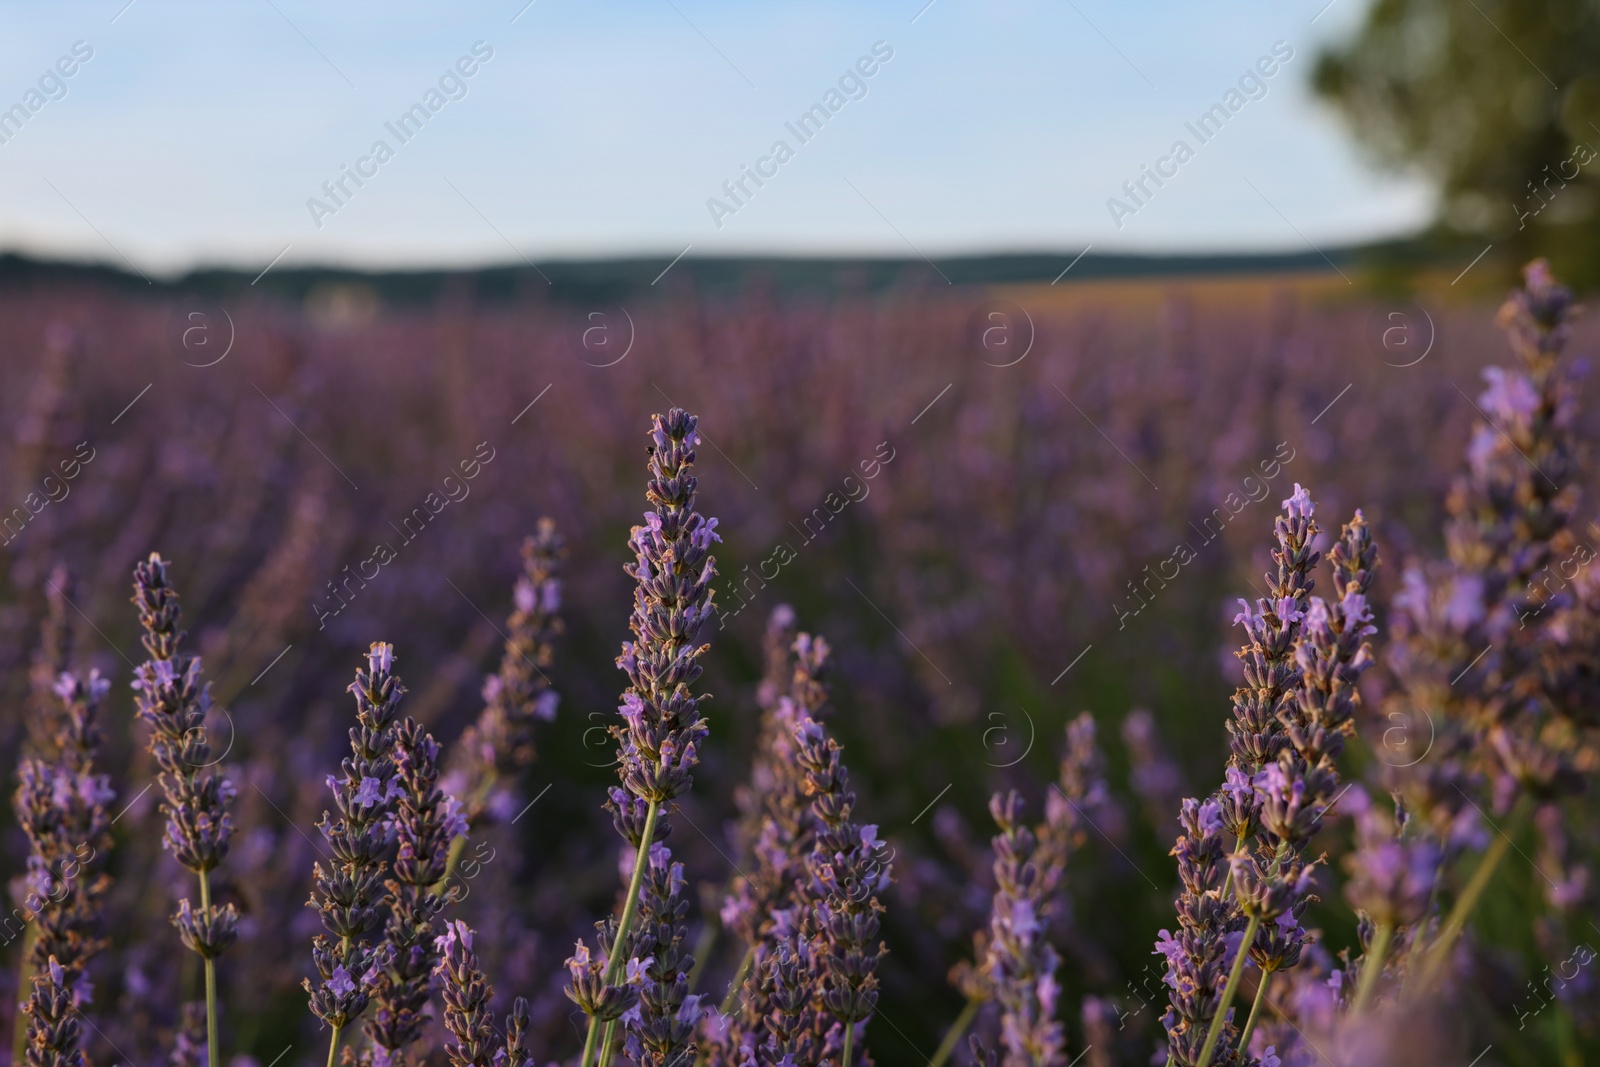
(798, 680)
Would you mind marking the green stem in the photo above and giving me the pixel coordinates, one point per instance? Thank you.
(952, 1036)
(1468, 900)
(849, 1039)
(588, 1042)
(1217, 1021)
(738, 979)
(452, 858)
(608, 1044)
(1372, 966)
(19, 1030)
(333, 1045)
(629, 906)
(212, 1036)
(1255, 1011)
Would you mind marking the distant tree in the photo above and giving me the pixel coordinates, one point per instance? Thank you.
(1497, 102)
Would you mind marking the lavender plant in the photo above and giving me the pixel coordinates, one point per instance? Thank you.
(1483, 635)
(777, 827)
(1015, 962)
(848, 866)
(662, 727)
(426, 822)
(348, 891)
(173, 701)
(60, 804)
(500, 744)
(52, 1012)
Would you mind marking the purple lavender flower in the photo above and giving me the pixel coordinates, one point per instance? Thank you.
(776, 830)
(847, 868)
(673, 600)
(662, 728)
(425, 823)
(660, 1029)
(53, 1029)
(1198, 955)
(348, 893)
(467, 994)
(499, 746)
(1020, 965)
(60, 804)
(1255, 735)
(1392, 875)
(173, 702)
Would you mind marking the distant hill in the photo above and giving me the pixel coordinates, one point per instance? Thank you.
(609, 279)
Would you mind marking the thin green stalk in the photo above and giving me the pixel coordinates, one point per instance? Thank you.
(738, 979)
(588, 1042)
(333, 1045)
(1255, 1011)
(212, 1036)
(1439, 952)
(849, 1039)
(629, 906)
(1372, 966)
(1215, 1033)
(19, 1031)
(608, 1044)
(952, 1036)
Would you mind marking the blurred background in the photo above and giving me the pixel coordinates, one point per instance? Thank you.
(1082, 271)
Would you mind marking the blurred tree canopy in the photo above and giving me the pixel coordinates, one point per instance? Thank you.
(1497, 102)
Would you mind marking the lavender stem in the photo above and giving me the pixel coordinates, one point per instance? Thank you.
(849, 1040)
(629, 907)
(1228, 991)
(1372, 966)
(952, 1036)
(1255, 1012)
(738, 980)
(1440, 951)
(211, 979)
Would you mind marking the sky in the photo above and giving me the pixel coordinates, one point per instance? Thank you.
(203, 133)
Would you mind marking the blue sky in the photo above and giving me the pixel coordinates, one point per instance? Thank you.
(197, 133)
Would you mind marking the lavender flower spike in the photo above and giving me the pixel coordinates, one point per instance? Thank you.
(500, 744)
(348, 892)
(60, 804)
(660, 1031)
(53, 1028)
(173, 702)
(662, 729)
(467, 994)
(847, 868)
(1020, 968)
(426, 822)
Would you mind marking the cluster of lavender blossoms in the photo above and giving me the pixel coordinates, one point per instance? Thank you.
(500, 745)
(426, 821)
(467, 1016)
(775, 830)
(1290, 722)
(1495, 642)
(662, 726)
(60, 804)
(173, 701)
(848, 866)
(1014, 962)
(349, 891)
